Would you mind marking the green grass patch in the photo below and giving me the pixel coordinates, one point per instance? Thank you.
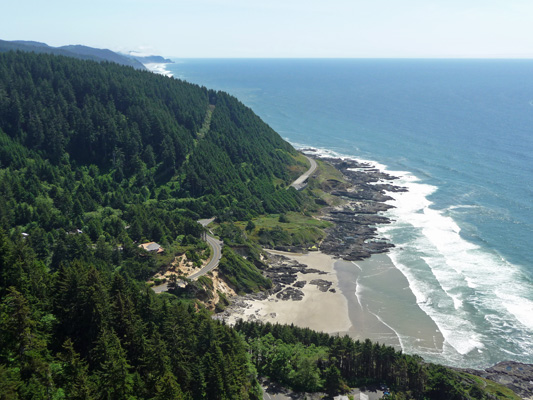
(299, 230)
(301, 166)
(197, 251)
(499, 391)
(327, 172)
(325, 179)
(205, 282)
(207, 122)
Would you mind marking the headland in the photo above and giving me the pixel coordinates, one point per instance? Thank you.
(350, 286)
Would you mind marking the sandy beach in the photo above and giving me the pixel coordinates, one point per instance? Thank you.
(367, 299)
(321, 311)
(383, 308)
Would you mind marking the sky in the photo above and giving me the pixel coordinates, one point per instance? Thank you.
(280, 28)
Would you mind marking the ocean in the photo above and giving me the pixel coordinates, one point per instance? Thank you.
(459, 135)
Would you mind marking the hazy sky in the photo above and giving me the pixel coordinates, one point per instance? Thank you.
(279, 28)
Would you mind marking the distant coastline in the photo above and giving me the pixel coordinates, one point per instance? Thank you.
(461, 231)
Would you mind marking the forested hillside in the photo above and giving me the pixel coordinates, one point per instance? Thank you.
(311, 361)
(97, 158)
(137, 136)
(76, 51)
(94, 159)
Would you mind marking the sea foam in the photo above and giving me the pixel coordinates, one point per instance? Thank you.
(475, 279)
(456, 283)
(158, 68)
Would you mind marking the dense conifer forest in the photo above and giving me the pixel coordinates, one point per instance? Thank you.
(96, 158)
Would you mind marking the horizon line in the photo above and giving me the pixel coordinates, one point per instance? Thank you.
(351, 58)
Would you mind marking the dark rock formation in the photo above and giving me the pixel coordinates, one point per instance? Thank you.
(354, 235)
(290, 293)
(322, 284)
(313, 271)
(282, 272)
(516, 376)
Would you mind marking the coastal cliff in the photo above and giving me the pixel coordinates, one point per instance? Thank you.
(96, 159)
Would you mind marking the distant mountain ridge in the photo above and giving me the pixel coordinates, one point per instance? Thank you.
(75, 51)
(149, 59)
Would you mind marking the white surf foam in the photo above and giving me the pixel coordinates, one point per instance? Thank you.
(521, 308)
(357, 265)
(358, 292)
(456, 329)
(359, 289)
(468, 274)
(158, 68)
(459, 281)
(481, 269)
(398, 335)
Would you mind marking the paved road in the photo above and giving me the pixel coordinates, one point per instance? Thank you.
(160, 288)
(205, 222)
(301, 182)
(216, 250)
(216, 255)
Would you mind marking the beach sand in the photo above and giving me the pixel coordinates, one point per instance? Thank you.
(371, 299)
(320, 311)
(383, 308)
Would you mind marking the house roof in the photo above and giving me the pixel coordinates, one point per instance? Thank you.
(152, 246)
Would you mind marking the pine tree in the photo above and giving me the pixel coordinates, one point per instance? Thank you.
(74, 377)
(167, 388)
(333, 383)
(113, 372)
(23, 346)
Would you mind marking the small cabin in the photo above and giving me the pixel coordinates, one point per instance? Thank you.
(152, 247)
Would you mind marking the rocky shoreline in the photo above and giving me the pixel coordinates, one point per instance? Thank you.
(354, 235)
(516, 376)
(283, 272)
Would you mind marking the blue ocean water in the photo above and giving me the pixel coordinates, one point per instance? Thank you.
(459, 133)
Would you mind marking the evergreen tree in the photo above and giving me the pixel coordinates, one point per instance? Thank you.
(74, 378)
(113, 373)
(333, 384)
(167, 388)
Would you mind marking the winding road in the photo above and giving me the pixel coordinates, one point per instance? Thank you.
(216, 255)
(301, 182)
(216, 245)
(216, 252)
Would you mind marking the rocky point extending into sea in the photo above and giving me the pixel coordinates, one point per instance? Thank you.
(354, 235)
